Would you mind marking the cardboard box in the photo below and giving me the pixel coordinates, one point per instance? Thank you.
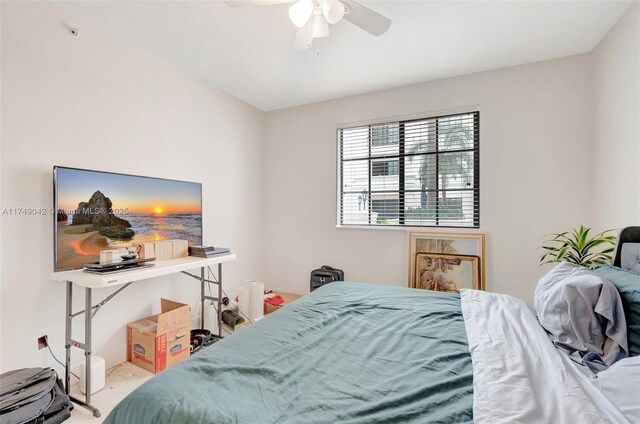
(163, 250)
(112, 256)
(180, 248)
(145, 250)
(287, 297)
(160, 341)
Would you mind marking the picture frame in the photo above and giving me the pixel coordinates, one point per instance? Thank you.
(448, 273)
(471, 243)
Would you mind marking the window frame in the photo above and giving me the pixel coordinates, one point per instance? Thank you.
(401, 158)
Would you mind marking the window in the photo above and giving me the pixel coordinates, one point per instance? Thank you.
(418, 173)
(382, 135)
(385, 167)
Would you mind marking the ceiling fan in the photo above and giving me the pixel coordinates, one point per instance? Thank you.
(312, 17)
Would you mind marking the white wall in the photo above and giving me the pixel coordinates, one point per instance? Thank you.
(97, 102)
(616, 82)
(535, 145)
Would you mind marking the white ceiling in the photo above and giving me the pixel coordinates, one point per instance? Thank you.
(247, 51)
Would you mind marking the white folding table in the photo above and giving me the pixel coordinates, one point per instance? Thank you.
(91, 281)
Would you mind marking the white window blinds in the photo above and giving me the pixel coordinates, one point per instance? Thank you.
(418, 173)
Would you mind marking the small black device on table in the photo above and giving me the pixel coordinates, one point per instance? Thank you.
(127, 265)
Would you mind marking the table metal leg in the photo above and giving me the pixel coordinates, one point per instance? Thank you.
(67, 338)
(202, 283)
(87, 343)
(87, 349)
(220, 300)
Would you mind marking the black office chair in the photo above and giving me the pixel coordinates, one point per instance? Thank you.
(626, 235)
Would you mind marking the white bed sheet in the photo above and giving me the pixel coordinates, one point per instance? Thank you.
(620, 383)
(519, 376)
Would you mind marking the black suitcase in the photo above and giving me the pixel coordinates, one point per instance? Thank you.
(33, 396)
(325, 275)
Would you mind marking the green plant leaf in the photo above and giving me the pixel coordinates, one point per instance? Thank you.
(577, 247)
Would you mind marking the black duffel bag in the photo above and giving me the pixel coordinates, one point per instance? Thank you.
(325, 275)
(33, 396)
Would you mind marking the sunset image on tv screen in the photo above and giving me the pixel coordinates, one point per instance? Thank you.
(100, 210)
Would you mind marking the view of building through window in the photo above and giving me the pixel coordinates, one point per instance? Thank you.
(415, 173)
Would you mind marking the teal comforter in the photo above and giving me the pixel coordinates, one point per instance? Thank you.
(346, 353)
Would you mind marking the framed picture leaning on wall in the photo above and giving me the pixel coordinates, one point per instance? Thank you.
(469, 243)
(442, 272)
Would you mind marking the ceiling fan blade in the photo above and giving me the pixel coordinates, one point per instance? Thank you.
(245, 3)
(304, 37)
(365, 18)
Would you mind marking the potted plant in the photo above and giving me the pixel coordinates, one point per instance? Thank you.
(577, 247)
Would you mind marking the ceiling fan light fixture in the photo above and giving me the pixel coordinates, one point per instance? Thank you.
(313, 17)
(300, 12)
(320, 26)
(333, 10)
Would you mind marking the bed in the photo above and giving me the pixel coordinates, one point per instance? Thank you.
(363, 353)
(349, 353)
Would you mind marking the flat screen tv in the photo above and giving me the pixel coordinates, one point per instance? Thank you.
(103, 210)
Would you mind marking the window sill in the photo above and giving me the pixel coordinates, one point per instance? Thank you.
(409, 228)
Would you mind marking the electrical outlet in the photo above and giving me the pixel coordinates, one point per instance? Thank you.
(42, 342)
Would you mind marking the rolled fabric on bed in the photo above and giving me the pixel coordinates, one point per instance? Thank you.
(583, 314)
(628, 285)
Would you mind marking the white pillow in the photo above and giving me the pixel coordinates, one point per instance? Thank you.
(583, 314)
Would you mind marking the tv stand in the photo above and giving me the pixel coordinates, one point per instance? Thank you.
(124, 279)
